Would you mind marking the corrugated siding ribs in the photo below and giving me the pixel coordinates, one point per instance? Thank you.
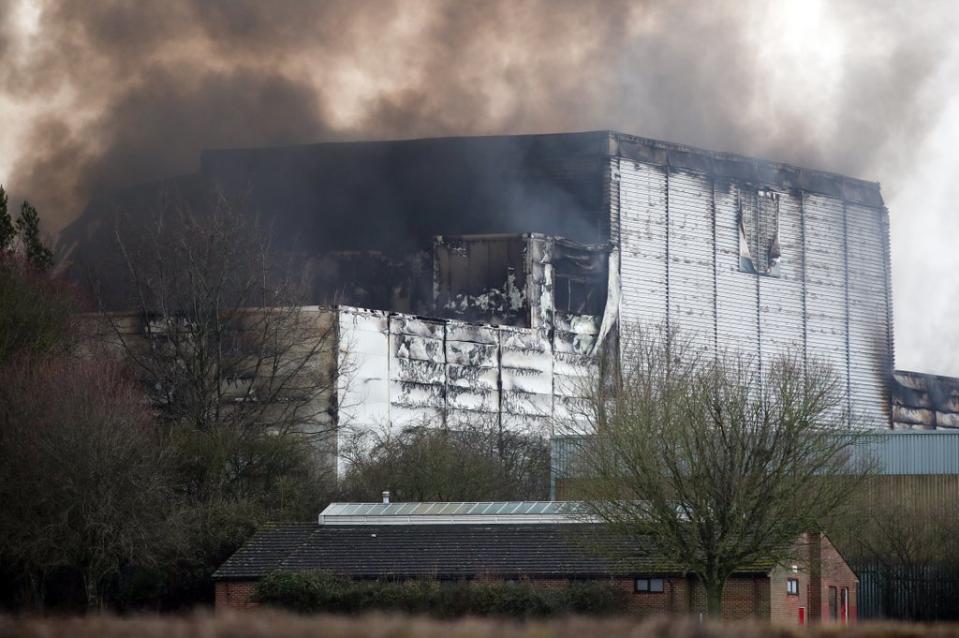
(680, 256)
(736, 297)
(691, 250)
(868, 314)
(643, 242)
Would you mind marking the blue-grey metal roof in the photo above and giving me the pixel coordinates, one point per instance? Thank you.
(909, 452)
(913, 452)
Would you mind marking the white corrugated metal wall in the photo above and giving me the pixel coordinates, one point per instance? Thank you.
(642, 226)
(691, 258)
(737, 294)
(679, 244)
(868, 314)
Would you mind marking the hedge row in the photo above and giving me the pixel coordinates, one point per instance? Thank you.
(310, 592)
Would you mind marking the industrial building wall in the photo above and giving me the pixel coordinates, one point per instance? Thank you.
(828, 297)
(404, 371)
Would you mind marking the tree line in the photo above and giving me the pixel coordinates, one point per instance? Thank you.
(139, 449)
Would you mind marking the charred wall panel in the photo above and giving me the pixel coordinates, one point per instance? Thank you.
(868, 313)
(574, 370)
(472, 374)
(483, 278)
(417, 368)
(406, 371)
(526, 369)
(924, 401)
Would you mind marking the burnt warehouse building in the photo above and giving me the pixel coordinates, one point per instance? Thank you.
(476, 277)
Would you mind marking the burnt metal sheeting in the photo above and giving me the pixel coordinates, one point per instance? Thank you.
(924, 401)
(746, 169)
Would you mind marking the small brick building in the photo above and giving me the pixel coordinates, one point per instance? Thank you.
(538, 542)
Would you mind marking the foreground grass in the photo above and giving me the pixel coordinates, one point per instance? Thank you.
(263, 624)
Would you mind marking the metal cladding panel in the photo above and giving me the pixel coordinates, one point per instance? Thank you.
(781, 325)
(468, 354)
(363, 391)
(526, 423)
(825, 281)
(456, 417)
(472, 399)
(363, 388)
(642, 219)
(472, 374)
(417, 395)
(573, 375)
(790, 237)
(475, 377)
(402, 416)
(471, 333)
(737, 322)
(691, 258)
(573, 364)
(526, 378)
(869, 347)
(912, 453)
(406, 346)
(417, 370)
(575, 333)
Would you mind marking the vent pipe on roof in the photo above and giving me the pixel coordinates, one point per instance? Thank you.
(386, 497)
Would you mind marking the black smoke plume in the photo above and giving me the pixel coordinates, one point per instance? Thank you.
(142, 87)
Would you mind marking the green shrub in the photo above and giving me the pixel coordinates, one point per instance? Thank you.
(594, 598)
(308, 592)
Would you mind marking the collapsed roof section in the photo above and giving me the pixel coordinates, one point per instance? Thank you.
(924, 401)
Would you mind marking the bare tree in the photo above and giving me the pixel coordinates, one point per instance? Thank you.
(81, 475)
(239, 370)
(717, 463)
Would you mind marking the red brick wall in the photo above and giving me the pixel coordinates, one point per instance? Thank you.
(819, 567)
(743, 597)
(836, 573)
(784, 608)
(234, 594)
(673, 599)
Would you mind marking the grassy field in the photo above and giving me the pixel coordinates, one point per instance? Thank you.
(263, 624)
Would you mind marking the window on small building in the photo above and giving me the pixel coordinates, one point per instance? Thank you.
(649, 586)
(792, 586)
(758, 221)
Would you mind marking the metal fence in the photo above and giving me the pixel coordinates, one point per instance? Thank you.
(921, 592)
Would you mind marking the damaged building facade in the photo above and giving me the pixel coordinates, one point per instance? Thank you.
(477, 278)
